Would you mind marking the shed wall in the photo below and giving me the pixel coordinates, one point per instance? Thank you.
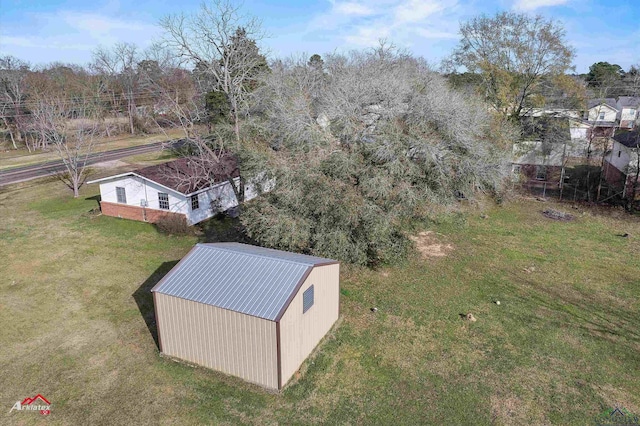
(227, 341)
(300, 333)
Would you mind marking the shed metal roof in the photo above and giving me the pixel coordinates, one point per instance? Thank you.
(243, 278)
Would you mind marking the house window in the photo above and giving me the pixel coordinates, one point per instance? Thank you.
(307, 299)
(163, 200)
(601, 116)
(541, 173)
(121, 195)
(195, 202)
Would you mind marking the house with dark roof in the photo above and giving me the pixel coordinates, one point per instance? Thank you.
(247, 311)
(180, 187)
(621, 164)
(629, 111)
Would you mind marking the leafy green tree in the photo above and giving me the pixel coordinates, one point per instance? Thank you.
(316, 62)
(603, 74)
(217, 106)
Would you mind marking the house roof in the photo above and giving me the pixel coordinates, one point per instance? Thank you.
(629, 139)
(185, 175)
(628, 102)
(610, 102)
(248, 279)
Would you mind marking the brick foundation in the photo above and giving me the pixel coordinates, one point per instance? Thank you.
(134, 212)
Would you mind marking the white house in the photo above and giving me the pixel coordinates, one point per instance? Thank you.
(621, 162)
(151, 193)
(602, 110)
(629, 107)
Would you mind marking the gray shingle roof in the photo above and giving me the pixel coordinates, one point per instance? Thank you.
(239, 277)
(602, 101)
(630, 139)
(628, 102)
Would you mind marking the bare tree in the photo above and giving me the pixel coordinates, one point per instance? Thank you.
(13, 73)
(73, 144)
(119, 65)
(379, 140)
(222, 44)
(513, 53)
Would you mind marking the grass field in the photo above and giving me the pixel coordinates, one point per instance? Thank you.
(562, 347)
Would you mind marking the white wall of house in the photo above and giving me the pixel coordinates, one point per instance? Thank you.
(138, 190)
(222, 194)
(579, 133)
(596, 112)
(628, 114)
(619, 157)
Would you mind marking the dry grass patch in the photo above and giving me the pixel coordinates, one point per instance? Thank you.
(429, 245)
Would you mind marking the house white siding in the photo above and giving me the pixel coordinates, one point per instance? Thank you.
(138, 190)
(628, 117)
(609, 113)
(619, 157)
(141, 192)
(579, 133)
(222, 194)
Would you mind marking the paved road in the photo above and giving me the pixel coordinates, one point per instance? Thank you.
(24, 173)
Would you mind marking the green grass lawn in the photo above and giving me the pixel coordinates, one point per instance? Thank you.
(562, 347)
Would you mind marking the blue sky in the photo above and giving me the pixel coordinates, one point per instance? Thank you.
(68, 30)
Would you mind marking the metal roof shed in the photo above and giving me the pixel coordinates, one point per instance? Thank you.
(248, 311)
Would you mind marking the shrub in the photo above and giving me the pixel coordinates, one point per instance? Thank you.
(174, 224)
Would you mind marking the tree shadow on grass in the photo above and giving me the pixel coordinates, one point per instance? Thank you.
(223, 228)
(144, 298)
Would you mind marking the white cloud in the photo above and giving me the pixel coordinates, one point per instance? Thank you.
(352, 9)
(405, 22)
(417, 10)
(72, 36)
(528, 5)
(367, 36)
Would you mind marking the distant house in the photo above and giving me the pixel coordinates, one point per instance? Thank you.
(601, 111)
(629, 111)
(173, 188)
(552, 112)
(620, 165)
(247, 311)
(537, 163)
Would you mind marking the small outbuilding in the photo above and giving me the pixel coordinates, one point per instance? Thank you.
(247, 311)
